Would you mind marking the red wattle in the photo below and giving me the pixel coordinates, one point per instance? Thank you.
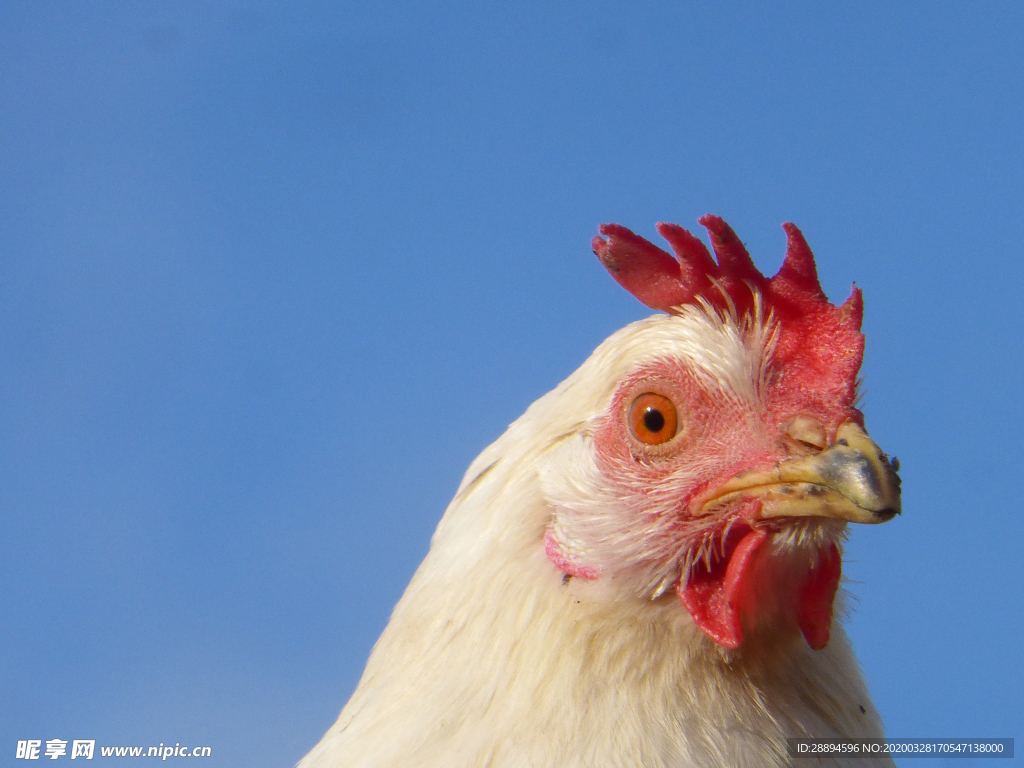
(719, 596)
(814, 610)
(713, 597)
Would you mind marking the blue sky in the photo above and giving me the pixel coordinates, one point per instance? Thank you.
(272, 275)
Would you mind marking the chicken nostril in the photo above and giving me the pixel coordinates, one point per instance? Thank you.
(807, 431)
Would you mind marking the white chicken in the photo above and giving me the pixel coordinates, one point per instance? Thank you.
(641, 571)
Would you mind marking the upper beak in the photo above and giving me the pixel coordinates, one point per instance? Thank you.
(850, 480)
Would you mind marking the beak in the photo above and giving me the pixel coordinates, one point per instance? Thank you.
(851, 480)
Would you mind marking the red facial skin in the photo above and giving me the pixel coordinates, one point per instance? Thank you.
(720, 437)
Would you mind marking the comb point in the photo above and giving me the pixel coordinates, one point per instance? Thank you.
(798, 267)
(852, 310)
(733, 259)
(642, 268)
(688, 248)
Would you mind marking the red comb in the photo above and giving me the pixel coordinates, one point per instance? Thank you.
(819, 343)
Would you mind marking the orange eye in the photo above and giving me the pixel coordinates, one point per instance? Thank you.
(653, 419)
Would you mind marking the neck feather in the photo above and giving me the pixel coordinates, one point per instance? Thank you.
(491, 660)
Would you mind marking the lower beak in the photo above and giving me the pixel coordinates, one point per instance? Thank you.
(851, 480)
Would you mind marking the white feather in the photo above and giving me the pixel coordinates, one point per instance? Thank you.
(490, 659)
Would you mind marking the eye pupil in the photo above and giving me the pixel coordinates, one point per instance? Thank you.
(653, 419)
